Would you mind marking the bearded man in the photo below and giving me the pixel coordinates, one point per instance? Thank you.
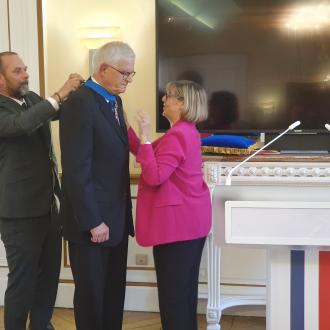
(29, 225)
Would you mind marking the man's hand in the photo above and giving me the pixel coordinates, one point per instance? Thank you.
(100, 233)
(69, 86)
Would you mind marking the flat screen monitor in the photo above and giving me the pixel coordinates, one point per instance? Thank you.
(263, 63)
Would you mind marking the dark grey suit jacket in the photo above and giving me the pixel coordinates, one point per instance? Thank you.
(95, 165)
(26, 181)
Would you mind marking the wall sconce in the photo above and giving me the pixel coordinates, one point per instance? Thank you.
(95, 37)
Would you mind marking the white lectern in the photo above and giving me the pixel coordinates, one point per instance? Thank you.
(289, 216)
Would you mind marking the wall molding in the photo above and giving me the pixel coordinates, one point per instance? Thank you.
(23, 31)
(4, 26)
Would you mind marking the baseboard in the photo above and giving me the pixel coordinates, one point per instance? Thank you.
(142, 298)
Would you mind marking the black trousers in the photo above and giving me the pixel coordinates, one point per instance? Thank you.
(33, 250)
(99, 275)
(177, 268)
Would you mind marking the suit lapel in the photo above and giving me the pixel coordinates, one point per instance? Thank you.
(107, 112)
(13, 105)
(121, 117)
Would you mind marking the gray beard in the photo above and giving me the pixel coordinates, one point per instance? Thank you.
(22, 91)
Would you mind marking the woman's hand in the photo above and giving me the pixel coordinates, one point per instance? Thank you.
(143, 119)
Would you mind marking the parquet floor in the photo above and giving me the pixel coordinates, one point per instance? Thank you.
(63, 320)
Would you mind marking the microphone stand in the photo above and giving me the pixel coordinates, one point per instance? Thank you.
(291, 127)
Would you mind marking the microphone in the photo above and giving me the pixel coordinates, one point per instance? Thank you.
(327, 126)
(290, 128)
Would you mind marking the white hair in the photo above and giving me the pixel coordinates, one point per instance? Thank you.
(112, 53)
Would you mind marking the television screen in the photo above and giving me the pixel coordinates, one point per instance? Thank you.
(263, 63)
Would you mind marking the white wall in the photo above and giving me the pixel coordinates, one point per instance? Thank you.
(4, 36)
(66, 52)
(23, 32)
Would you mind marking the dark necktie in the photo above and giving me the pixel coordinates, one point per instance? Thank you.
(24, 105)
(114, 106)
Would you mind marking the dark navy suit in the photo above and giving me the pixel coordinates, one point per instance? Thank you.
(96, 189)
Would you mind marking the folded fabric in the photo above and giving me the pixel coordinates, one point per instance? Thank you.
(229, 141)
(228, 151)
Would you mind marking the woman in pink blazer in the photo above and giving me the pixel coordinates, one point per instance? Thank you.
(173, 205)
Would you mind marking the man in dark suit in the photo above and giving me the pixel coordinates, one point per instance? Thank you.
(96, 202)
(29, 227)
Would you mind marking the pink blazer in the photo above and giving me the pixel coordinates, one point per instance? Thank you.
(173, 201)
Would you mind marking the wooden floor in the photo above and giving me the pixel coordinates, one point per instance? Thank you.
(63, 320)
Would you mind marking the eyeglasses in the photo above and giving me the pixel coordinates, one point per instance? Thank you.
(125, 75)
(167, 96)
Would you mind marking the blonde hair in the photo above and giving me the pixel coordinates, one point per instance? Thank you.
(194, 99)
(112, 53)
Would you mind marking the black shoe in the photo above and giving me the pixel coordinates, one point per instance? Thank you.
(49, 326)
